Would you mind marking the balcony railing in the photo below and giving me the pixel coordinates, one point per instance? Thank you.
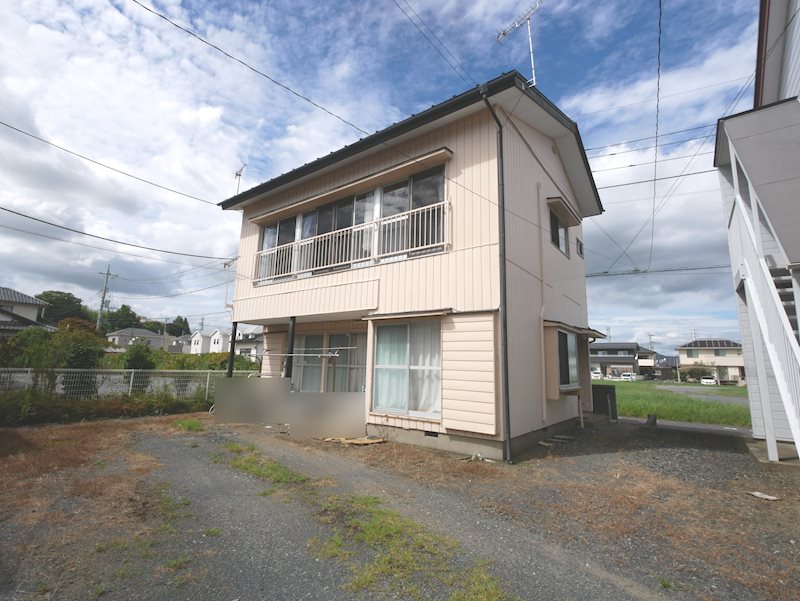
(408, 233)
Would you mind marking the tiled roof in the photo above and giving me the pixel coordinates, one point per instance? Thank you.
(712, 343)
(133, 332)
(10, 295)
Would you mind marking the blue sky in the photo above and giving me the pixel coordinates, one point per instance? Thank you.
(116, 83)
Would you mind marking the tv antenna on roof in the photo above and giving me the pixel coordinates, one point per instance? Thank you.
(516, 24)
(238, 175)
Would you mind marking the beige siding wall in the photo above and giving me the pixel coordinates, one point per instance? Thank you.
(465, 278)
(532, 258)
(469, 368)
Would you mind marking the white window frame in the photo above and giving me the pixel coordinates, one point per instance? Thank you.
(573, 375)
(407, 369)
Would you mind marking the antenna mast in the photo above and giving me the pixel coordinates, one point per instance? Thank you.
(517, 23)
(238, 175)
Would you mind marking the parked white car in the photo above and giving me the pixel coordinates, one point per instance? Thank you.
(708, 381)
(597, 375)
(628, 376)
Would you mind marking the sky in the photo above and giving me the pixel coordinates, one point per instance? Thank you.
(117, 84)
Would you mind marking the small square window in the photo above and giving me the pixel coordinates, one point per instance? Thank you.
(579, 246)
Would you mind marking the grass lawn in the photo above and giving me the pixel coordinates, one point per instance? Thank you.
(640, 399)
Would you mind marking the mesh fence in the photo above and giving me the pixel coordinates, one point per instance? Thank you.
(98, 383)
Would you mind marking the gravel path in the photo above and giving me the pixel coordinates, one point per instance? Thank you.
(622, 512)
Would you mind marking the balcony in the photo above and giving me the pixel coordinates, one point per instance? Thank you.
(406, 234)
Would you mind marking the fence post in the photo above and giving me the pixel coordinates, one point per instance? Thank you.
(208, 383)
(130, 388)
(30, 378)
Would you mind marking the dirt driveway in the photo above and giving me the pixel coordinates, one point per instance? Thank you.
(140, 509)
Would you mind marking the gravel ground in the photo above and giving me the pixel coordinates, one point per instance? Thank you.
(623, 512)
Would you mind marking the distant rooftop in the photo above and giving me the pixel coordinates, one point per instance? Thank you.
(712, 343)
(10, 295)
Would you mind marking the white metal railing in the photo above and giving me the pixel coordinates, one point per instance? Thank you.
(777, 333)
(416, 230)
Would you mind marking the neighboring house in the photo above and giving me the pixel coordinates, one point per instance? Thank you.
(181, 344)
(613, 359)
(723, 358)
(250, 341)
(757, 154)
(19, 311)
(200, 342)
(220, 341)
(127, 336)
(460, 324)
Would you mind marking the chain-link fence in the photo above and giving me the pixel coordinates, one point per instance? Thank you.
(99, 383)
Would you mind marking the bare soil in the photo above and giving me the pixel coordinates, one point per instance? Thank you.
(84, 513)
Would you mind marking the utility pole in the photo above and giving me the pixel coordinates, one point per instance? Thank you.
(165, 333)
(108, 274)
(650, 336)
(202, 323)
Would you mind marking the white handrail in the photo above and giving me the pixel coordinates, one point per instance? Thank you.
(415, 230)
(779, 339)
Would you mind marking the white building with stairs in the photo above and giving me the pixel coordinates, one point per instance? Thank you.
(758, 157)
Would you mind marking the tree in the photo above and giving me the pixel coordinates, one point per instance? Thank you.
(178, 327)
(76, 325)
(62, 306)
(122, 318)
(139, 356)
(153, 326)
(29, 348)
(78, 349)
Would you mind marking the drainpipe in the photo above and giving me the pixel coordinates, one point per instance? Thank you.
(501, 206)
(287, 370)
(231, 353)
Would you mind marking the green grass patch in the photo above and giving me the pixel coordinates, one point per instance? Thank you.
(402, 556)
(257, 465)
(178, 562)
(190, 425)
(640, 399)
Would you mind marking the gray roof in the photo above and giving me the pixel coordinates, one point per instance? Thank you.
(585, 188)
(712, 343)
(12, 296)
(133, 332)
(617, 346)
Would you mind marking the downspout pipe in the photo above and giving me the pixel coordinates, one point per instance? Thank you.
(232, 351)
(501, 206)
(287, 372)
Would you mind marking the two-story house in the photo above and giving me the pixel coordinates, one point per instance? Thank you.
(19, 311)
(435, 268)
(612, 359)
(758, 154)
(723, 358)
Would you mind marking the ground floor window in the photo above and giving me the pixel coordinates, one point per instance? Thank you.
(340, 358)
(567, 359)
(408, 363)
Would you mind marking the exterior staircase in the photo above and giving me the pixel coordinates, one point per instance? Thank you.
(783, 283)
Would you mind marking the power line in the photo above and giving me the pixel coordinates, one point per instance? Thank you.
(657, 179)
(731, 106)
(668, 133)
(171, 295)
(655, 150)
(620, 202)
(650, 271)
(247, 66)
(689, 91)
(120, 171)
(686, 156)
(69, 229)
(435, 47)
(611, 154)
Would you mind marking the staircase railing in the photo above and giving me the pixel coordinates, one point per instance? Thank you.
(777, 333)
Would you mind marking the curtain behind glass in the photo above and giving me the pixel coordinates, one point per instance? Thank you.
(391, 375)
(425, 368)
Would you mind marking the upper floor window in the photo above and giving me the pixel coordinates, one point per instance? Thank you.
(692, 353)
(559, 234)
(401, 218)
(720, 352)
